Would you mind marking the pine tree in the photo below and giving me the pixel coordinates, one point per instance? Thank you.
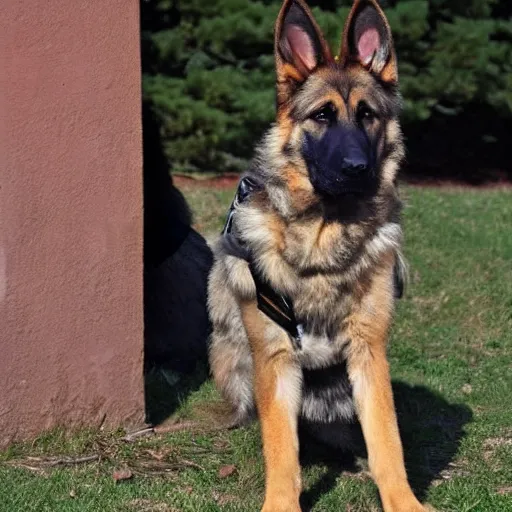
(208, 72)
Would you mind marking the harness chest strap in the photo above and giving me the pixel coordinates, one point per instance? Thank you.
(278, 307)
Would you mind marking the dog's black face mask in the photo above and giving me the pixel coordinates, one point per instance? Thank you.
(342, 162)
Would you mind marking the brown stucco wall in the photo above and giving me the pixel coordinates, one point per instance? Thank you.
(71, 325)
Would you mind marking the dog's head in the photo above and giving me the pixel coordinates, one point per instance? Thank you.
(337, 117)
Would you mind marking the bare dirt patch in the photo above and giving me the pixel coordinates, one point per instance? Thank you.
(492, 444)
(495, 180)
(223, 181)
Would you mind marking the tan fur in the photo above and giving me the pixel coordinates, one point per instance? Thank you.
(334, 260)
(278, 414)
(368, 370)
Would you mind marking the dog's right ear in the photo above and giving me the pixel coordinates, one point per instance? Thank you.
(299, 47)
(367, 39)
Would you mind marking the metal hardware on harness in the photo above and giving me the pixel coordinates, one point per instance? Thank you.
(276, 306)
(245, 187)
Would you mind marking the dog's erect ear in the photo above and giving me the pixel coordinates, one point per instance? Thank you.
(299, 47)
(367, 39)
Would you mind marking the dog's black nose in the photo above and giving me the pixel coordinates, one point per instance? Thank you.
(354, 165)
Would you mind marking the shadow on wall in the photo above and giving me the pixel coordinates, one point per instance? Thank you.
(431, 430)
(177, 261)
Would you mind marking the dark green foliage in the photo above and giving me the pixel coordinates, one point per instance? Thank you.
(208, 71)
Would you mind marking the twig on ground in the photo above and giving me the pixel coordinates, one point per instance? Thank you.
(35, 469)
(38, 463)
(190, 464)
(68, 461)
(175, 427)
(138, 433)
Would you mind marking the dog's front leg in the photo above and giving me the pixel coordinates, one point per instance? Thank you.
(373, 397)
(277, 388)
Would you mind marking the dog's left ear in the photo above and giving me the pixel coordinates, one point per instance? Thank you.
(299, 47)
(367, 39)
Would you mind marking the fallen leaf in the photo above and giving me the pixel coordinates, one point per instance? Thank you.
(72, 493)
(226, 471)
(122, 474)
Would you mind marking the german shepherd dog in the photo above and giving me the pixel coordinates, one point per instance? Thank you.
(322, 227)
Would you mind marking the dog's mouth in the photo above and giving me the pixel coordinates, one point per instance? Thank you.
(341, 163)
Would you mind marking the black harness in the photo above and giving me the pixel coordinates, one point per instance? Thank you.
(278, 307)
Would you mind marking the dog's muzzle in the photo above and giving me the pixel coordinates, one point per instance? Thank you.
(341, 162)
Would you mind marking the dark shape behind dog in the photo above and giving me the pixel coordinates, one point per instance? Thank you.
(177, 261)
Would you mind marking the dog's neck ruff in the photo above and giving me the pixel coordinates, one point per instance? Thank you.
(278, 307)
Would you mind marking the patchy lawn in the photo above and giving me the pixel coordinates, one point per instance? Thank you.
(451, 359)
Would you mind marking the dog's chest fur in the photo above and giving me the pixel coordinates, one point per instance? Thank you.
(322, 299)
(325, 267)
(322, 266)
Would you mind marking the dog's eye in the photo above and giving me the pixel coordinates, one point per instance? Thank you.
(325, 114)
(365, 113)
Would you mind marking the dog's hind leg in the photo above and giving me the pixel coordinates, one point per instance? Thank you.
(231, 367)
(229, 350)
(277, 387)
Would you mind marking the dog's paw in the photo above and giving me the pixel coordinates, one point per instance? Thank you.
(406, 504)
(272, 508)
(281, 505)
(280, 508)
(416, 507)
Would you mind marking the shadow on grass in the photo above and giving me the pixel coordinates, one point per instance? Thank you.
(166, 390)
(431, 430)
(338, 461)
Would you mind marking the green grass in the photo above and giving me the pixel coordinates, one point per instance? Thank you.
(451, 359)
(209, 207)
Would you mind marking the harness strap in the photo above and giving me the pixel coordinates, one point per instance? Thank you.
(278, 307)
